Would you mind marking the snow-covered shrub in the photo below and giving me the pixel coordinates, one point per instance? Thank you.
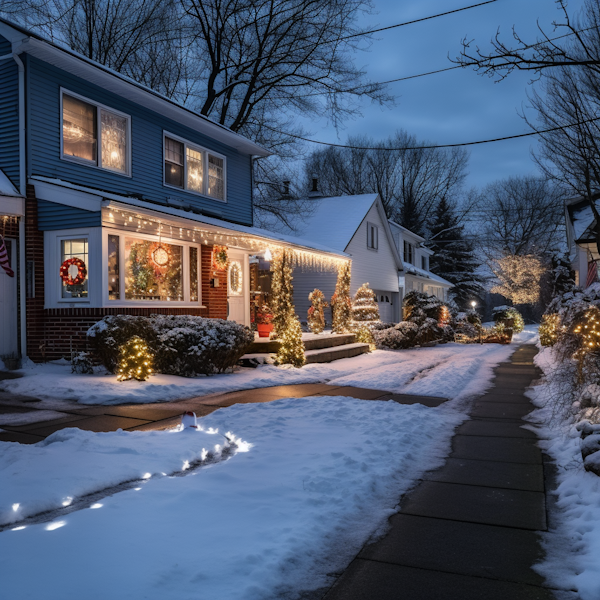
(190, 346)
(510, 317)
(400, 336)
(82, 363)
(426, 312)
(182, 345)
(107, 336)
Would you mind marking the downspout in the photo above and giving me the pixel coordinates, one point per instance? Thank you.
(23, 192)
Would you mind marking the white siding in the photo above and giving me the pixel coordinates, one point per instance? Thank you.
(375, 267)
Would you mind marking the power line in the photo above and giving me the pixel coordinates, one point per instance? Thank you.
(449, 12)
(478, 142)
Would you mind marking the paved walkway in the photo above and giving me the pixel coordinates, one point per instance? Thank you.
(469, 530)
(143, 417)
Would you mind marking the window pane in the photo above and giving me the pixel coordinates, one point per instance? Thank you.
(74, 249)
(114, 142)
(195, 171)
(173, 162)
(79, 129)
(216, 187)
(193, 274)
(113, 268)
(153, 271)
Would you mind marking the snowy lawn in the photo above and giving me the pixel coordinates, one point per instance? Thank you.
(448, 370)
(318, 477)
(573, 546)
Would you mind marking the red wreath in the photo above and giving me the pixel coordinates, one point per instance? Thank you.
(81, 271)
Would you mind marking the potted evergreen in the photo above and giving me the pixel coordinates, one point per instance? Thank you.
(264, 321)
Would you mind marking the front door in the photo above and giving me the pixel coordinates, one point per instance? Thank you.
(238, 307)
(8, 304)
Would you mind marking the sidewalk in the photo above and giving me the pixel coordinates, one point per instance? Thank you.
(469, 530)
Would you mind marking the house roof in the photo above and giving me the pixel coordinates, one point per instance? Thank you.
(412, 270)
(411, 233)
(31, 43)
(6, 186)
(582, 219)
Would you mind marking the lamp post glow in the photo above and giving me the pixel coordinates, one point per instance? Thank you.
(473, 304)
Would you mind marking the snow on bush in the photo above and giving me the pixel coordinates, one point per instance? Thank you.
(400, 336)
(509, 316)
(183, 345)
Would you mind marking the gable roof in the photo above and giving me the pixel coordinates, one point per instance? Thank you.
(6, 186)
(582, 219)
(24, 40)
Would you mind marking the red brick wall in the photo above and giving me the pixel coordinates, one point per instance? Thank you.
(214, 298)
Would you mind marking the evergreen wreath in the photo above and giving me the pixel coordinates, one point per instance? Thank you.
(220, 258)
(81, 271)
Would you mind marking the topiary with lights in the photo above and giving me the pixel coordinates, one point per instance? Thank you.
(316, 312)
(341, 304)
(291, 348)
(135, 360)
(549, 329)
(364, 308)
(282, 302)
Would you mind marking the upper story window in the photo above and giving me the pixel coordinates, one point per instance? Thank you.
(424, 264)
(372, 236)
(194, 169)
(409, 253)
(95, 135)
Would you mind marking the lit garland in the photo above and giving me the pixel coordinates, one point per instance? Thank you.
(519, 278)
(135, 360)
(341, 304)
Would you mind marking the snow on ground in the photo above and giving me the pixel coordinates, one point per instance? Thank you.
(453, 370)
(573, 543)
(320, 475)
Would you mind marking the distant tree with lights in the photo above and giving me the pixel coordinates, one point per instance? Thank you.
(341, 303)
(291, 348)
(519, 278)
(135, 360)
(364, 307)
(282, 303)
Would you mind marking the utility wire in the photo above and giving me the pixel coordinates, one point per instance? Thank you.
(500, 139)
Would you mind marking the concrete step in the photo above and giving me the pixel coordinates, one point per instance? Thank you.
(322, 355)
(311, 342)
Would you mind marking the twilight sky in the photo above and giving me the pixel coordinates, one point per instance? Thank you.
(459, 105)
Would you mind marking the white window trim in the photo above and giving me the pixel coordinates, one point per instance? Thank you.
(122, 302)
(98, 163)
(205, 152)
(372, 244)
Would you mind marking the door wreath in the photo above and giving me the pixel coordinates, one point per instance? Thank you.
(73, 271)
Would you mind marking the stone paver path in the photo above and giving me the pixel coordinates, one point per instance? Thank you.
(469, 530)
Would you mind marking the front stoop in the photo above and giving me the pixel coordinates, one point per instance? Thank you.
(322, 355)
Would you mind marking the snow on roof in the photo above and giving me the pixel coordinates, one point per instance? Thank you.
(412, 270)
(335, 220)
(402, 228)
(6, 187)
(582, 219)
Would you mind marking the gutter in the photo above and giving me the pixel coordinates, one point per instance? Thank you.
(23, 192)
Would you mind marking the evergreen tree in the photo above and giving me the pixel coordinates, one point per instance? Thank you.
(341, 304)
(454, 257)
(283, 291)
(364, 307)
(316, 312)
(291, 349)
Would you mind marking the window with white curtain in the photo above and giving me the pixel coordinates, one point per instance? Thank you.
(94, 134)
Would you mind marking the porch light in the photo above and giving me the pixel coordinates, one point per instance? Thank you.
(268, 255)
(473, 304)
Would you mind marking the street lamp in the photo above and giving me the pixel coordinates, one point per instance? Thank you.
(473, 304)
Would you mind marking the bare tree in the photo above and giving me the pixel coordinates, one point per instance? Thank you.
(575, 42)
(519, 216)
(410, 179)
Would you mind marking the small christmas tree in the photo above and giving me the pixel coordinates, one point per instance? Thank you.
(283, 291)
(291, 349)
(135, 360)
(341, 304)
(316, 313)
(364, 307)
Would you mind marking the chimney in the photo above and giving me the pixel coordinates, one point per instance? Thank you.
(314, 192)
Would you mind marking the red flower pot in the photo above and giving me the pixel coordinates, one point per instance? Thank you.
(264, 329)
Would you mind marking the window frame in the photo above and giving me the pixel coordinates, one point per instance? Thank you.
(372, 240)
(408, 254)
(185, 271)
(424, 263)
(99, 107)
(205, 152)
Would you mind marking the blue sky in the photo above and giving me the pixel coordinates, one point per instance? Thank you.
(456, 106)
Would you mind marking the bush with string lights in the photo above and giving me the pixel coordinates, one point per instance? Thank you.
(136, 360)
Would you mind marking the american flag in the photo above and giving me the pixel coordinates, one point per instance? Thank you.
(592, 274)
(4, 262)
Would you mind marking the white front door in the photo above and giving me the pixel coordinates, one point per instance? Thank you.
(385, 305)
(238, 307)
(8, 304)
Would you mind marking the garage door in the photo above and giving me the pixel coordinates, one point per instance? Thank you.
(386, 308)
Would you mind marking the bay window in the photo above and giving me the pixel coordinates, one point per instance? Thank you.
(95, 135)
(194, 169)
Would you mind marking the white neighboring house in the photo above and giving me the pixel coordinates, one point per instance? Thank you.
(357, 226)
(415, 261)
(581, 238)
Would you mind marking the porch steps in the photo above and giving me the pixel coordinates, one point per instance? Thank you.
(323, 355)
(311, 342)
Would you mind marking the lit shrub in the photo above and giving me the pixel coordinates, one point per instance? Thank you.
(135, 360)
(510, 317)
(549, 328)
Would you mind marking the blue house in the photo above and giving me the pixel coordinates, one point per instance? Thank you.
(120, 201)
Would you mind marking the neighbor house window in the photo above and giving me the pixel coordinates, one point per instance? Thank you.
(372, 236)
(409, 253)
(74, 268)
(424, 263)
(94, 134)
(194, 169)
